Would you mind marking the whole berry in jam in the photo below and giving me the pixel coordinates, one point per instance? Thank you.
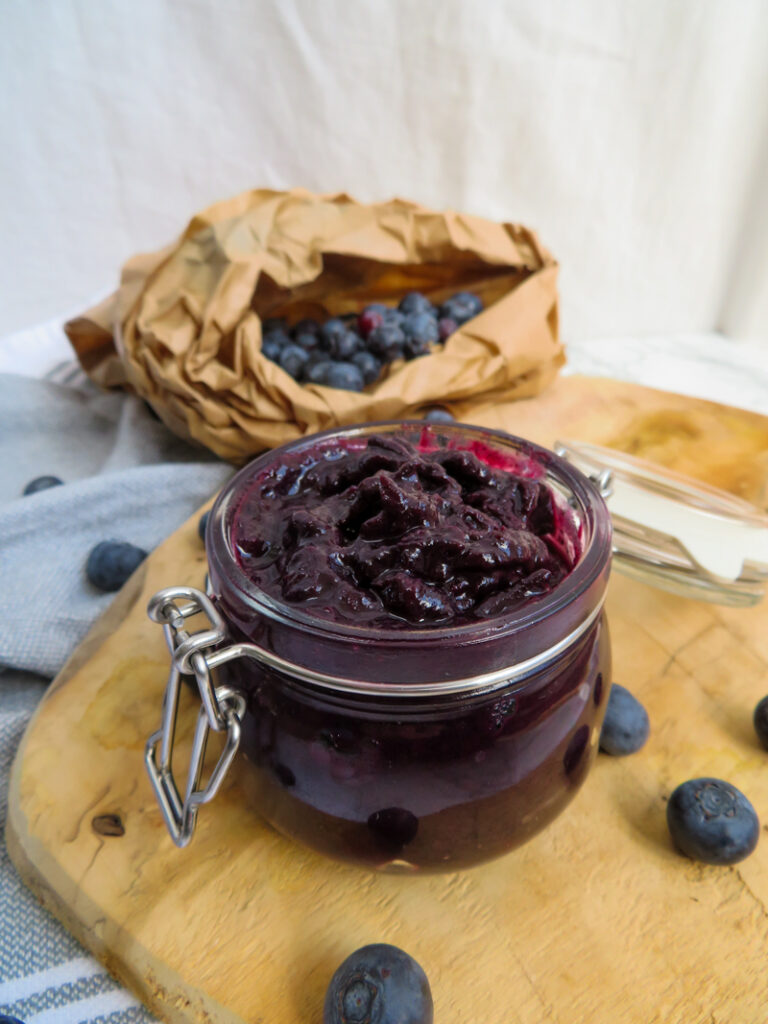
(626, 726)
(712, 821)
(41, 483)
(379, 984)
(760, 720)
(111, 563)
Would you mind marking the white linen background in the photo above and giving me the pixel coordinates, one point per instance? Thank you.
(633, 135)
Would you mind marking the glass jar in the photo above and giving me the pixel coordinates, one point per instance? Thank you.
(418, 747)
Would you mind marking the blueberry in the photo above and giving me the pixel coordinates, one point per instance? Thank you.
(372, 316)
(386, 341)
(414, 348)
(439, 416)
(42, 483)
(415, 302)
(461, 307)
(379, 984)
(394, 826)
(331, 329)
(345, 376)
(307, 340)
(421, 327)
(111, 562)
(711, 821)
(626, 726)
(345, 345)
(317, 372)
(202, 524)
(761, 721)
(446, 327)
(273, 343)
(293, 359)
(4, 1019)
(393, 317)
(368, 365)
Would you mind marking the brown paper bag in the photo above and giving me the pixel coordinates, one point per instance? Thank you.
(184, 328)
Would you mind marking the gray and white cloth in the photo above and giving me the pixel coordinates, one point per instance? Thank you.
(126, 478)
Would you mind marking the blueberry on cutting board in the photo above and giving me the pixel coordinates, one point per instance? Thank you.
(712, 821)
(760, 721)
(381, 984)
(111, 562)
(626, 726)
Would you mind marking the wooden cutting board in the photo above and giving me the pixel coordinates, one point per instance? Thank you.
(597, 919)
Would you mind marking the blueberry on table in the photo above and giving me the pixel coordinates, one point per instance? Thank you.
(415, 302)
(368, 365)
(379, 984)
(111, 562)
(293, 358)
(626, 725)
(345, 376)
(202, 524)
(42, 483)
(439, 416)
(761, 721)
(712, 821)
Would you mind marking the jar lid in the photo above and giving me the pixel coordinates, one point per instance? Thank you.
(675, 532)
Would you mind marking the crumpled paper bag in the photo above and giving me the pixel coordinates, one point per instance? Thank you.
(184, 328)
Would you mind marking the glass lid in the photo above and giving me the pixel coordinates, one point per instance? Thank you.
(675, 532)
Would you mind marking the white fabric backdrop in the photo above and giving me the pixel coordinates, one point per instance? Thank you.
(628, 133)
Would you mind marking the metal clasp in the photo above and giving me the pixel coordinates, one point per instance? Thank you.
(221, 710)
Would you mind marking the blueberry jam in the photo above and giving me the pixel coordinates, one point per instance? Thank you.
(414, 765)
(384, 531)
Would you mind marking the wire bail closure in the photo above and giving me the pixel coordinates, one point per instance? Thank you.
(221, 710)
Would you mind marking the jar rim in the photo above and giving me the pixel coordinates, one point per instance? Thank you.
(593, 516)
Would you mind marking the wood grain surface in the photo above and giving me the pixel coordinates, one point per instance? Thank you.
(596, 920)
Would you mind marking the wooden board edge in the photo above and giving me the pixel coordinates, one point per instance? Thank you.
(158, 988)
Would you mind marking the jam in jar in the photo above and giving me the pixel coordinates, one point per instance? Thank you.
(431, 597)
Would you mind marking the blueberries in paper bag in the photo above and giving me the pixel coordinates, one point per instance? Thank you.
(111, 563)
(379, 984)
(333, 352)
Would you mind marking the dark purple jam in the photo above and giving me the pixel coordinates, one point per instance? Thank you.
(383, 532)
(460, 552)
